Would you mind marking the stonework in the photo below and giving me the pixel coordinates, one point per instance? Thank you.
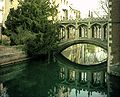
(114, 36)
(11, 54)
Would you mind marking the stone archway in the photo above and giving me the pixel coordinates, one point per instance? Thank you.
(71, 32)
(83, 30)
(96, 31)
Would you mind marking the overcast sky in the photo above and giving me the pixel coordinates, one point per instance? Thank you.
(1, 11)
(85, 5)
(1, 4)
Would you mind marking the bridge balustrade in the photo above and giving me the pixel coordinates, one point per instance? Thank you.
(89, 28)
(84, 77)
(81, 80)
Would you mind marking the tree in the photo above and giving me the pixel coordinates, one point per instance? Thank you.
(104, 7)
(30, 24)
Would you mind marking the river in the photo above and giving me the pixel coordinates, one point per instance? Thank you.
(61, 78)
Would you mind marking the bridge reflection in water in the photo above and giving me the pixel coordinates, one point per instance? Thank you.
(85, 54)
(75, 82)
(60, 79)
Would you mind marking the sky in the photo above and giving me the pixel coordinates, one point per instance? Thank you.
(0, 11)
(1, 4)
(85, 5)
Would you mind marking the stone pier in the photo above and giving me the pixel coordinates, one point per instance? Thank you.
(114, 38)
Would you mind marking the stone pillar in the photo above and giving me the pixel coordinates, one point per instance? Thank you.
(77, 76)
(102, 32)
(82, 32)
(77, 33)
(66, 33)
(89, 76)
(89, 30)
(114, 38)
(61, 33)
(102, 78)
(66, 74)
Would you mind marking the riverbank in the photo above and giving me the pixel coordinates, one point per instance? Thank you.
(11, 54)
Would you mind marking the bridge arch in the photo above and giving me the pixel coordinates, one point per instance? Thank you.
(96, 24)
(97, 42)
(83, 24)
(105, 24)
(61, 25)
(70, 25)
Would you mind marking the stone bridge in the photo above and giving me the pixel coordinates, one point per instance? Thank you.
(90, 30)
(89, 27)
(95, 41)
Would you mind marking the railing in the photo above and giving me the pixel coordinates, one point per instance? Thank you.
(92, 19)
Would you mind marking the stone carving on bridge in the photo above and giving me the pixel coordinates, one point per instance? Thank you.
(90, 27)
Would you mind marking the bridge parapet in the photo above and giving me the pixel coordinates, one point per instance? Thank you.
(102, 19)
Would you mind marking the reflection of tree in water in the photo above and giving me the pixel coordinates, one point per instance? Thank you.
(3, 91)
(34, 81)
(85, 54)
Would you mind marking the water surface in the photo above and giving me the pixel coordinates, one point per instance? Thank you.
(85, 54)
(39, 79)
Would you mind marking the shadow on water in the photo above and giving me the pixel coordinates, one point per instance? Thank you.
(58, 79)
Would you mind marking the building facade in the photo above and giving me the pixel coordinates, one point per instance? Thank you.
(6, 6)
(65, 10)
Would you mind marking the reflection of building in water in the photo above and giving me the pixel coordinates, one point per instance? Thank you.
(3, 91)
(85, 54)
(80, 81)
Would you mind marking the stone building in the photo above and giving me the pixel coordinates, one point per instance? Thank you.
(65, 10)
(6, 6)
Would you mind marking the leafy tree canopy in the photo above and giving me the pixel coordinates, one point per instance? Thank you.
(29, 22)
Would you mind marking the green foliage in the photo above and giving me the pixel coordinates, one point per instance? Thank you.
(0, 42)
(29, 25)
(31, 16)
(4, 42)
(43, 43)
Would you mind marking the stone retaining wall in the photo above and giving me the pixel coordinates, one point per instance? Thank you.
(11, 54)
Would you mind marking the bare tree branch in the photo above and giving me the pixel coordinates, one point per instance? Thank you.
(103, 8)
